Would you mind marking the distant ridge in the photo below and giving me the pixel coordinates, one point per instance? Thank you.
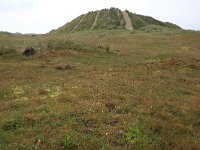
(5, 33)
(112, 18)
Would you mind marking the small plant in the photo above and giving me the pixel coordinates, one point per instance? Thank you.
(3, 93)
(18, 122)
(104, 47)
(69, 142)
(12, 125)
(43, 92)
(107, 48)
(134, 135)
(133, 32)
(110, 105)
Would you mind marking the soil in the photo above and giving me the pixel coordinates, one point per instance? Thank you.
(128, 23)
(95, 21)
(78, 23)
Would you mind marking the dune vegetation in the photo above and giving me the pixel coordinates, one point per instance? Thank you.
(103, 89)
(107, 80)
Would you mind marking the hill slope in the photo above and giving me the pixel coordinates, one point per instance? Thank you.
(112, 18)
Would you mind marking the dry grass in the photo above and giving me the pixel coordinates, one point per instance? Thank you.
(143, 94)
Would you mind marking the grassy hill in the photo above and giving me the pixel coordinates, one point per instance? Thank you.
(140, 21)
(111, 19)
(5, 33)
(93, 84)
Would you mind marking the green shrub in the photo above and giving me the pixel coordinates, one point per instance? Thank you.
(69, 142)
(18, 122)
(134, 135)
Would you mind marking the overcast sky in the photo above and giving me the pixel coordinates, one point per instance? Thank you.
(41, 16)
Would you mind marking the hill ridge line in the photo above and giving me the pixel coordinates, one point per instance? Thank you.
(115, 18)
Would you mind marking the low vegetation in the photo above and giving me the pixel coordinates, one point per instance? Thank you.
(116, 89)
(140, 21)
(112, 19)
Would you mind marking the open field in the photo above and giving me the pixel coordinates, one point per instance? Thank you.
(101, 90)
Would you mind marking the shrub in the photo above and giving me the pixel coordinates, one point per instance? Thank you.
(69, 142)
(18, 122)
(134, 135)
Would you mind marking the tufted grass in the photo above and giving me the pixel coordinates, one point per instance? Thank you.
(142, 94)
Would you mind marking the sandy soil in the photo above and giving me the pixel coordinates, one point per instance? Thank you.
(78, 23)
(95, 21)
(127, 20)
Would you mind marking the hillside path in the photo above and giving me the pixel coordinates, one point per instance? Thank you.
(78, 23)
(95, 21)
(128, 23)
(108, 17)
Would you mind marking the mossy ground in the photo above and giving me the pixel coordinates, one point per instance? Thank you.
(141, 94)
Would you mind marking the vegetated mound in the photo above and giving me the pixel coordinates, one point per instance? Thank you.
(112, 18)
(5, 33)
